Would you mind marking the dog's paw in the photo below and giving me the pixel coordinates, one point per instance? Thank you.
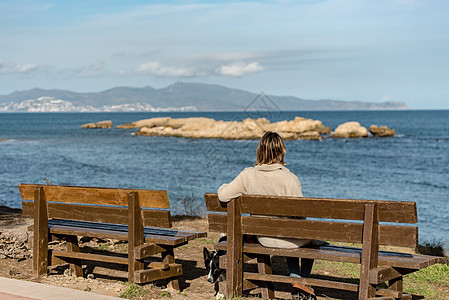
(219, 296)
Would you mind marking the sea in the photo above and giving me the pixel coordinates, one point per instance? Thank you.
(52, 148)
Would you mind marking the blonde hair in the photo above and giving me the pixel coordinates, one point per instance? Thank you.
(271, 149)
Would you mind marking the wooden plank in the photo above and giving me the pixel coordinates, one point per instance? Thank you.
(103, 214)
(117, 231)
(135, 235)
(309, 281)
(159, 265)
(370, 249)
(264, 267)
(409, 262)
(217, 222)
(213, 203)
(347, 209)
(382, 274)
(89, 256)
(390, 235)
(389, 293)
(185, 235)
(76, 269)
(40, 243)
(234, 257)
(146, 250)
(115, 235)
(53, 260)
(149, 275)
(97, 195)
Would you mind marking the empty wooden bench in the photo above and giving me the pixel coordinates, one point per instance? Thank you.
(138, 216)
(349, 221)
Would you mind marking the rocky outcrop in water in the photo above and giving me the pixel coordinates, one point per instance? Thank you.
(299, 128)
(382, 131)
(101, 124)
(350, 130)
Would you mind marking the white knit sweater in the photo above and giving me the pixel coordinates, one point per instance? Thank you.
(273, 180)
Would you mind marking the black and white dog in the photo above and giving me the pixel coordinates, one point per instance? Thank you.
(212, 264)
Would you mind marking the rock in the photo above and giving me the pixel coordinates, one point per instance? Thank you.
(101, 124)
(310, 135)
(382, 131)
(247, 129)
(3, 140)
(350, 130)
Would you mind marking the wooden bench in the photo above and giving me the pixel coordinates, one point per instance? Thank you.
(69, 212)
(349, 221)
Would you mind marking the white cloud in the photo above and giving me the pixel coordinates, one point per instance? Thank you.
(238, 69)
(7, 67)
(155, 68)
(199, 69)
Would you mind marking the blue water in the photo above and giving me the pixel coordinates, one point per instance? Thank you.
(412, 166)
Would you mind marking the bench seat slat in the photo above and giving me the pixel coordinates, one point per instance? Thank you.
(188, 235)
(344, 254)
(114, 234)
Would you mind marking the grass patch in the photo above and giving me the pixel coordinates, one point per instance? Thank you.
(133, 290)
(431, 282)
(338, 269)
(165, 294)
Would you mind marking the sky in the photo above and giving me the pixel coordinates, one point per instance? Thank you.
(375, 51)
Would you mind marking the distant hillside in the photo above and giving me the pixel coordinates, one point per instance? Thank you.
(178, 96)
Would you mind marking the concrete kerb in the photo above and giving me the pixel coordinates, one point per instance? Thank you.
(13, 289)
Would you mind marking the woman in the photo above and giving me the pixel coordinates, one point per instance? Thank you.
(269, 176)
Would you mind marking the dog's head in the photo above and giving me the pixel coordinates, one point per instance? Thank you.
(212, 263)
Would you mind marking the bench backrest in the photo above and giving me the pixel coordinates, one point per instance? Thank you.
(259, 215)
(95, 204)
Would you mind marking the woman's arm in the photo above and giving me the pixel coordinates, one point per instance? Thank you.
(232, 190)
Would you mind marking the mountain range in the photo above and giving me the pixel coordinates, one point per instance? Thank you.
(179, 96)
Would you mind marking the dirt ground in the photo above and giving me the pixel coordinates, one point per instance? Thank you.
(16, 262)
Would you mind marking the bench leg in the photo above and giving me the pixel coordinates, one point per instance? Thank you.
(135, 235)
(370, 248)
(396, 285)
(40, 239)
(168, 257)
(264, 267)
(75, 265)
